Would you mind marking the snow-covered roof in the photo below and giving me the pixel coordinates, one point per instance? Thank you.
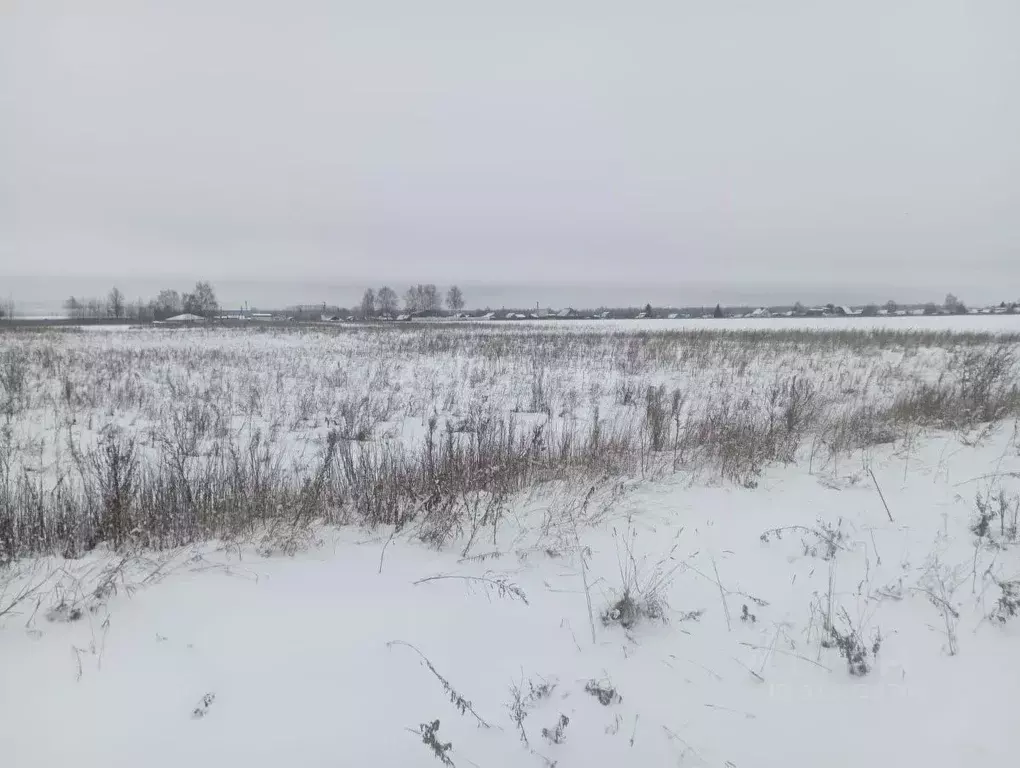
(185, 318)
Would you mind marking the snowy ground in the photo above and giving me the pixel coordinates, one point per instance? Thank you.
(381, 386)
(214, 654)
(960, 323)
(990, 323)
(294, 651)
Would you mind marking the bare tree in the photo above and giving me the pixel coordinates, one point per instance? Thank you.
(168, 303)
(368, 303)
(142, 311)
(454, 299)
(74, 308)
(202, 301)
(422, 298)
(413, 299)
(115, 302)
(891, 307)
(430, 298)
(954, 305)
(386, 300)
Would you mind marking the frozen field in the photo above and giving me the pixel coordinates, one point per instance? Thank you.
(991, 323)
(959, 323)
(605, 544)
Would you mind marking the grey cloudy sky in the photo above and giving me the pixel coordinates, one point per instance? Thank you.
(785, 142)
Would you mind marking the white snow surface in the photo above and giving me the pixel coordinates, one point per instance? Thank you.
(990, 323)
(294, 650)
(293, 386)
(980, 323)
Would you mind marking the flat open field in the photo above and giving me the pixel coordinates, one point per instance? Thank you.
(729, 543)
(1005, 323)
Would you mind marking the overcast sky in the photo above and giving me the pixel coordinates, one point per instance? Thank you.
(784, 142)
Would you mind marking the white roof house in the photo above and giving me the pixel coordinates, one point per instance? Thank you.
(185, 318)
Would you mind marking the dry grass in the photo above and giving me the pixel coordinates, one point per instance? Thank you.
(158, 439)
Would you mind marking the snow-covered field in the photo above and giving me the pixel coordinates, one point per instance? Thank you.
(613, 546)
(990, 323)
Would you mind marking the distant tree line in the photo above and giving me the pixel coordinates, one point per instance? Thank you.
(951, 305)
(417, 299)
(201, 301)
